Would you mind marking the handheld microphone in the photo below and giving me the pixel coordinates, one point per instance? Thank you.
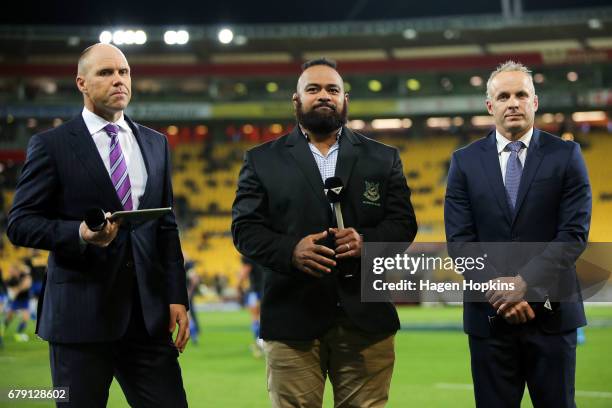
(95, 219)
(333, 191)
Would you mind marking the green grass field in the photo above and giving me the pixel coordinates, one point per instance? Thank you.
(432, 366)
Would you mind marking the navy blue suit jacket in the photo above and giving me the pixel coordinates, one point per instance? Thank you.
(553, 205)
(88, 292)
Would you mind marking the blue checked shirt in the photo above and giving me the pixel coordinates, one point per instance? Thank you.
(326, 164)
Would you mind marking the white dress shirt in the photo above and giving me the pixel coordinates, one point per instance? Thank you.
(129, 146)
(504, 154)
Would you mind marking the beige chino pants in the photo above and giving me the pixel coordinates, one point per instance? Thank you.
(359, 366)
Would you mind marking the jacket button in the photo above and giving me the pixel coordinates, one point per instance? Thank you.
(129, 264)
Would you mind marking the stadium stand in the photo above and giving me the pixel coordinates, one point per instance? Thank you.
(204, 190)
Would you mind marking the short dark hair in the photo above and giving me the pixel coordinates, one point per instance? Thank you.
(320, 61)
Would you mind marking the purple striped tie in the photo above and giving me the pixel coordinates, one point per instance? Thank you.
(118, 168)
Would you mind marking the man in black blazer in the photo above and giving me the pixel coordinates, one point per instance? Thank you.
(521, 185)
(312, 319)
(113, 297)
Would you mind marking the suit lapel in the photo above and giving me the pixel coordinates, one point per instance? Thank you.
(299, 149)
(146, 150)
(347, 156)
(532, 163)
(490, 162)
(86, 151)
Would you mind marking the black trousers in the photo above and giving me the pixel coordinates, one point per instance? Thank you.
(145, 367)
(507, 360)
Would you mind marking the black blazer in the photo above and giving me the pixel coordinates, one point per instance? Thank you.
(553, 205)
(88, 293)
(280, 200)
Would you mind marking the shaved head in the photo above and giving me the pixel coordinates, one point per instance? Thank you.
(84, 59)
(104, 80)
(319, 73)
(320, 101)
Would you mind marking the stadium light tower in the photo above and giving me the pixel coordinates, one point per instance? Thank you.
(180, 37)
(170, 37)
(140, 37)
(225, 36)
(121, 37)
(106, 37)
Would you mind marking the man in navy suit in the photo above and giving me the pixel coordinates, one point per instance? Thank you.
(113, 297)
(520, 184)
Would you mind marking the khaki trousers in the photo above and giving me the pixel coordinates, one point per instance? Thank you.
(359, 366)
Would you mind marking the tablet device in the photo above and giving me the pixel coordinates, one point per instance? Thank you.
(140, 215)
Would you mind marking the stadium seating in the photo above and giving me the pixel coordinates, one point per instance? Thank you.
(206, 184)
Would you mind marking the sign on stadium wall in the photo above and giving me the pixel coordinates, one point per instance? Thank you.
(596, 99)
(177, 111)
(170, 111)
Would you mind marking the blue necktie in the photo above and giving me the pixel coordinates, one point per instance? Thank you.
(514, 169)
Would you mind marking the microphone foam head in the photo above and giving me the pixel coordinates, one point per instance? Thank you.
(95, 219)
(333, 189)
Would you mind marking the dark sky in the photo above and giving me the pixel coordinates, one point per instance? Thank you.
(156, 12)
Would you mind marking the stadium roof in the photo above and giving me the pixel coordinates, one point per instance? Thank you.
(156, 12)
(555, 35)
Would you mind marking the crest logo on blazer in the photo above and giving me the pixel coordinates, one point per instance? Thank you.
(371, 192)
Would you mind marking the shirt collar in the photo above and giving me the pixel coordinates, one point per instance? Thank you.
(96, 123)
(502, 142)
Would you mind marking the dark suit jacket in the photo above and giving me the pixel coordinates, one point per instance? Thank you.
(553, 205)
(88, 293)
(280, 200)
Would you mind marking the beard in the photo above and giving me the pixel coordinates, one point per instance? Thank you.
(321, 122)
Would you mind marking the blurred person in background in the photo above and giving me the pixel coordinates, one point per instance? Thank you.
(3, 302)
(37, 265)
(251, 275)
(193, 289)
(18, 287)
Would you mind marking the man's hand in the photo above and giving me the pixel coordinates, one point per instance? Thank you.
(348, 242)
(311, 258)
(178, 314)
(504, 299)
(519, 313)
(103, 237)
